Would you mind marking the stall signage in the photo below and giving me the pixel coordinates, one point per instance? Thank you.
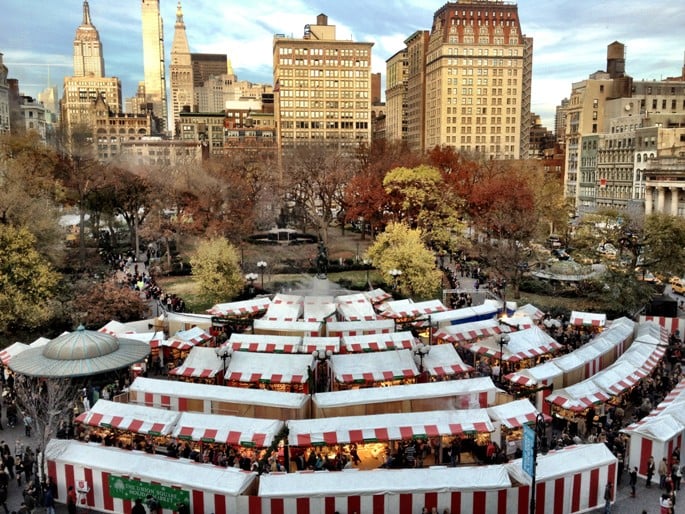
(528, 463)
(208, 440)
(106, 425)
(419, 436)
(247, 444)
(370, 439)
(128, 489)
(154, 432)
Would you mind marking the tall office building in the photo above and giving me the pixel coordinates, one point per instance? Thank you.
(417, 45)
(153, 58)
(396, 96)
(180, 70)
(322, 87)
(88, 59)
(4, 99)
(206, 66)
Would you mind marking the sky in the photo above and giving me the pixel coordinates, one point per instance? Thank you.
(569, 36)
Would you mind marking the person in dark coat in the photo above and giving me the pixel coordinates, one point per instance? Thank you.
(138, 508)
(632, 481)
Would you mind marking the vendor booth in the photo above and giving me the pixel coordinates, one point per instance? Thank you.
(176, 348)
(352, 371)
(313, 344)
(442, 362)
(468, 393)
(529, 311)
(570, 403)
(671, 325)
(273, 371)
(243, 309)
(127, 425)
(588, 319)
(319, 308)
(508, 420)
(467, 332)
(214, 399)
(264, 343)
(202, 365)
(112, 479)
(377, 296)
(537, 383)
(360, 328)
(287, 328)
(11, 351)
(172, 322)
(355, 307)
(378, 439)
(408, 310)
(378, 342)
(486, 311)
(284, 307)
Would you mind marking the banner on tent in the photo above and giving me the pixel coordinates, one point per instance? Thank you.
(127, 489)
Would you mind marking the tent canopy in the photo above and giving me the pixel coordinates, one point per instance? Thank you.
(374, 367)
(311, 344)
(588, 318)
(524, 344)
(468, 331)
(377, 296)
(131, 417)
(242, 308)
(319, 308)
(529, 310)
(514, 414)
(264, 343)
(443, 360)
(540, 374)
(11, 351)
(465, 315)
(200, 363)
(410, 309)
(379, 342)
(355, 307)
(579, 397)
(387, 427)
(276, 368)
(187, 339)
(310, 328)
(227, 429)
(357, 328)
(285, 308)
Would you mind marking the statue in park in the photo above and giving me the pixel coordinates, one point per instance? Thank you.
(322, 261)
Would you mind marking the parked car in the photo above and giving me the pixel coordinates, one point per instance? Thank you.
(554, 241)
(607, 250)
(561, 254)
(678, 287)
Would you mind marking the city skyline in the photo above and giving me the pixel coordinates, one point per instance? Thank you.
(562, 53)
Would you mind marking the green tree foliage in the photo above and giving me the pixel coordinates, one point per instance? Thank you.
(102, 302)
(664, 244)
(216, 266)
(618, 292)
(27, 281)
(402, 248)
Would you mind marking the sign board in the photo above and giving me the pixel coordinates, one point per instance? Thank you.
(128, 489)
(528, 462)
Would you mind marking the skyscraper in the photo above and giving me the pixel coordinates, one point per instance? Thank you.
(153, 58)
(180, 70)
(88, 59)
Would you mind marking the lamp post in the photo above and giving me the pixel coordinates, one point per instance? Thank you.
(321, 357)
(540, 444)
(395, 274)
(504, 339)
(366, 265)
(251, 277)
(420, 352)
(262, 266)
(224, 353)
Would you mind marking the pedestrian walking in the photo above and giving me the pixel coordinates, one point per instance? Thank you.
(49, 501)
(632, 481)
(665, 504)
(71, 500)
(663, 472)
(608, 496)
(651, 467)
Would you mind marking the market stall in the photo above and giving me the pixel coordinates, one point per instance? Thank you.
(319, 308)
(378, 342)
(11, 351)
(377, 438)
(485, 311)
(242, 309)
(264, 343)
(273, 371)
(466, 332)
(537, 383)
(177, 347)
(518, 322)
(327, 344)
(588, 319)
(360, 328)
(671, 325)
(407, 309)
(443, 362)
(172, 322)
(287, 328)
(127, 425)
(377, 296)
(374, 369)
(114, 478)
(572, 402)
(529, 311)
(285, 307)
(355, 307)
(214, 399)
(202, 365)
(508, 420)
(469, 393)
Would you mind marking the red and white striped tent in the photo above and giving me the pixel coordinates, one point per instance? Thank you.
(285, 307)
(180, 321)
(312, 344)
(319, 308)
(377, 296)
(465, 332)
(11, 351)
(282, 327)
(215, 428)
(130, 417)
(579, 397)
(542, 375)
(275, 368)
(369, 368)
(200, 363)
(360, 328)
(388, 427)
(409, 309)
(187, 339)
(569, 480)
(444, 361)
(208, 398)
(522, 345)
(513, 414)
(518, 322)
(588, 319)
(619, 377)
(154, 339)
(264, 343)
(645, 352)
(529, 311)
(115, 328)
(251, 307)
(468, 393)
(355, 307)
(672, 325)
(378, 342)
(208, 488)
(486, 311)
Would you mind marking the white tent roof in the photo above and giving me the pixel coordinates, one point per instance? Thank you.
(529, 377)
(529, 310)
(200, 363)
(284, 308)
(379, 342)
(149, 467)
(242, 308)
(186, 339)
(387, 427)
(376, 326)
(154, 339)
(520, 322)
(115, 328)
(443, 360)
(355, 307)
(11, 351)
(377, 296)
(524, 344)
(300, 327)
(383, 481)
(465, 315)
(261, 397)
(410, 309)
(374, 367)
(446, 388)
(311, 344)
(651, 332)
(264, 343)
(588, 318)
(131, 417)
(319, 308)
(277, 368)
(513, 414)
(469, 331)
(227, 429)
(580, 396)
(660, 428)
(565, 462)
(41, 341)
(199, 320)
(619, 376)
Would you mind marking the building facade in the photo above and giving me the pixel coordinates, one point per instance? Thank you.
(88, 59)
(112, 129)
(4, 99)
(396, 97)
(153, 58)
(322, 87)
(180, 71)
(417, 46)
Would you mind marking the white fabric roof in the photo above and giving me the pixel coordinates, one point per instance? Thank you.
(264, 343)
(282, 368)
(446, 388)
(227, 429)
(242, 308)
(377, 295)
(564, 462)
(376, 326)
(149, 467)
(319, 308)
(11, 351)
(131, 417)
(387, 427)
(310, 344)
(305, 327)
(374, 367)
(588, 318)
(473, 330)
(529, 310)
(465, 315)
(383, 481)
(355, 307)
(200, 320)
(580, 396)
(201, 362)
(513, 414)
(443, 360)
(284, 308)
(227, 394)
(660, 428)
(546, 371)
(410, 309)
(379, 342)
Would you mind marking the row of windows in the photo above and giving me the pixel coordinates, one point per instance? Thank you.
(306, 84)
(328, 114)
(350, 63)
(321, 104)
(482, 40)
(468, 100)
(344, 52)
